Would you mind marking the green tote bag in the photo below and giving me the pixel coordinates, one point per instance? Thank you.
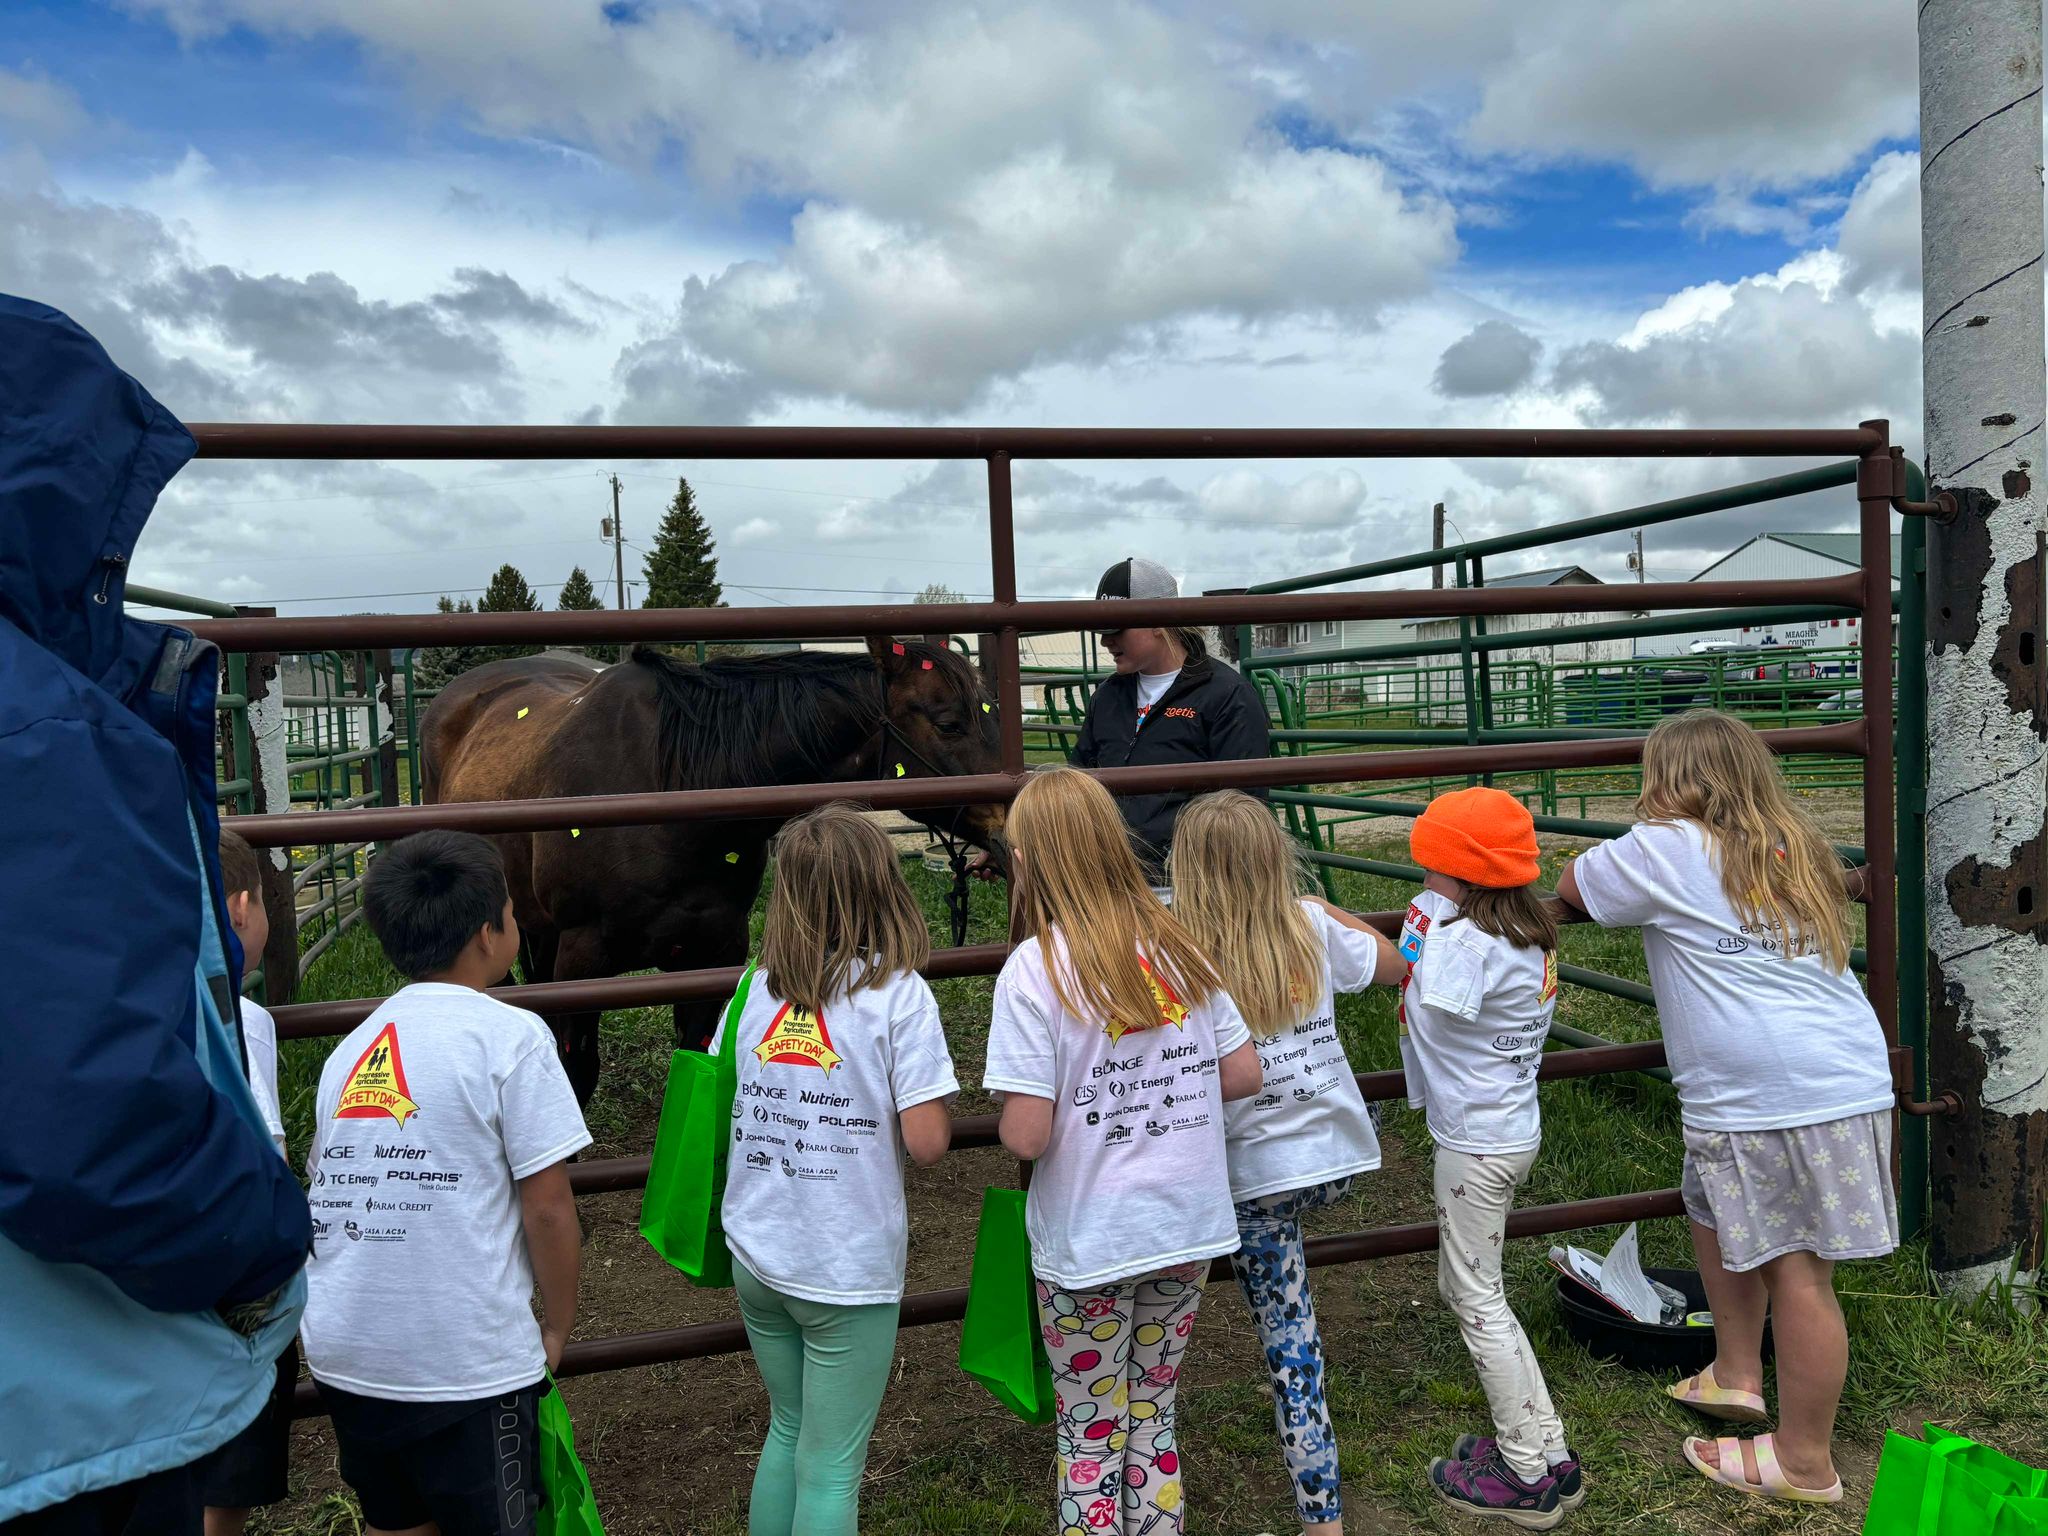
(1947, 1485)
(1000, 1345)
(567, 1508)
(679, 1213)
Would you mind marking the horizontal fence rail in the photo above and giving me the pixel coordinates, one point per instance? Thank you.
(733, 624)
(661, 806)
(702, 1341)
(287, 440)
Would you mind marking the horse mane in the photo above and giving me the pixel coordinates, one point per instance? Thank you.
(744, 720)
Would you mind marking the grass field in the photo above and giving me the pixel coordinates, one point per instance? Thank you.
(670, 1447)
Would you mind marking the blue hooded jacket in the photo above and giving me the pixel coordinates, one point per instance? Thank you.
(138, 1189)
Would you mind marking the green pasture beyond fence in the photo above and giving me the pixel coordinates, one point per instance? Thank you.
(341, 747)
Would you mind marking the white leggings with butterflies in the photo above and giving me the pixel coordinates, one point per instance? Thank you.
(1116, 1353)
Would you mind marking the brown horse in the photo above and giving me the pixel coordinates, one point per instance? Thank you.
(606, 900)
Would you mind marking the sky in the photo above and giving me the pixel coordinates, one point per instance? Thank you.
(1279, 213)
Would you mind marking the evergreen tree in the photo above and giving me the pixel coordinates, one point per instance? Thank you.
(938, 592)
(436, 666)
(580, 596)
(681, 569)
(577, 592)
(508, 593)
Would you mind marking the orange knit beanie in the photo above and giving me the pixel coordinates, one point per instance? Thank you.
(1479, 835)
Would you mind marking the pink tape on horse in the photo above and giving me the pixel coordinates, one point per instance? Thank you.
(926, 665)
(897, 649)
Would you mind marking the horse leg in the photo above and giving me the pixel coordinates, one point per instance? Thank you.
(719, 941)
(579, 954)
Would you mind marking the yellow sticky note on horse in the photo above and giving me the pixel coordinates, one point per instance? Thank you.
(522, 713)
(899, 770)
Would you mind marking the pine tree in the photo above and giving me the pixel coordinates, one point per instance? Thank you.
(580, 596)
(436, 666)
(508, 593)
(577, 592)
(681, 569)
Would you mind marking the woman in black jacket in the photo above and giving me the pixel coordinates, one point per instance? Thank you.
(1169, 701)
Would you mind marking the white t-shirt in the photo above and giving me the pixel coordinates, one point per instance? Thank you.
(430, 1112)
(1152, 688)
(1134, 1178)
(1757, 1040)
(1308, 1124)
(1475, 1011)
(259, 1040)
(814, 1185)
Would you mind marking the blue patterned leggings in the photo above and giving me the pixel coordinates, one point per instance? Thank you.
(1274, 1277)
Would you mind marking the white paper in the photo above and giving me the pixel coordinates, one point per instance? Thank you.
(1623, 1282)
(1619, 1277)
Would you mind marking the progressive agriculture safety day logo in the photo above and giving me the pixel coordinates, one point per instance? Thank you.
(1171, 1009)
(798, 1037)
(376, 1084)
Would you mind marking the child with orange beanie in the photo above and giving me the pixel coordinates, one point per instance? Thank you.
(1475, 1008)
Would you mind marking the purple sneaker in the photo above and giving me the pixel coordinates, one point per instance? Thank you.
(1490, 1487)
(1571, 1482)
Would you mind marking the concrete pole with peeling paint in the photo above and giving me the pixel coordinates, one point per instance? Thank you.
(1985, 379)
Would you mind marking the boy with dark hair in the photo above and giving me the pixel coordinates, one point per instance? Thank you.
(251, 1469)
(440, 1195)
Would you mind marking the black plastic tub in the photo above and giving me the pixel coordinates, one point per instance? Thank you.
(1646, 1346)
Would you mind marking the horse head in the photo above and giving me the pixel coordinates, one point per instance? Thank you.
(939, 720)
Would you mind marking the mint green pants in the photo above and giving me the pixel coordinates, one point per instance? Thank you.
(825, 1368)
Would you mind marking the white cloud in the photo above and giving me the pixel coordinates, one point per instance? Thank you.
(1751, 93)
(39, 111)
(1325, 499)
(1793, 352)
(978, 192)
(1879, 236)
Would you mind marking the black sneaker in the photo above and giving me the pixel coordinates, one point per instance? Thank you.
(1489, 1487)
(1571, 1482)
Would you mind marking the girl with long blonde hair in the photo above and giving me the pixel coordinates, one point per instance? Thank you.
(1239, 887)
(1114, 1047)
(837, 1031)
(1782, 1080)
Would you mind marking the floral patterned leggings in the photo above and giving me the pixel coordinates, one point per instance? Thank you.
(1273, 1274)
(1116, 1353)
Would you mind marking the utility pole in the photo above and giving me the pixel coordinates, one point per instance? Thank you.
(1436, 541)
(615, 530)
(1637, 563)
(1985, 389)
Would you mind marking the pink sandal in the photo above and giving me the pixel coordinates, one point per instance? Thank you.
(1772, 1485)
(1704, 1395)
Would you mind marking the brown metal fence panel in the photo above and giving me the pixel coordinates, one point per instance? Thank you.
(1868, 737)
